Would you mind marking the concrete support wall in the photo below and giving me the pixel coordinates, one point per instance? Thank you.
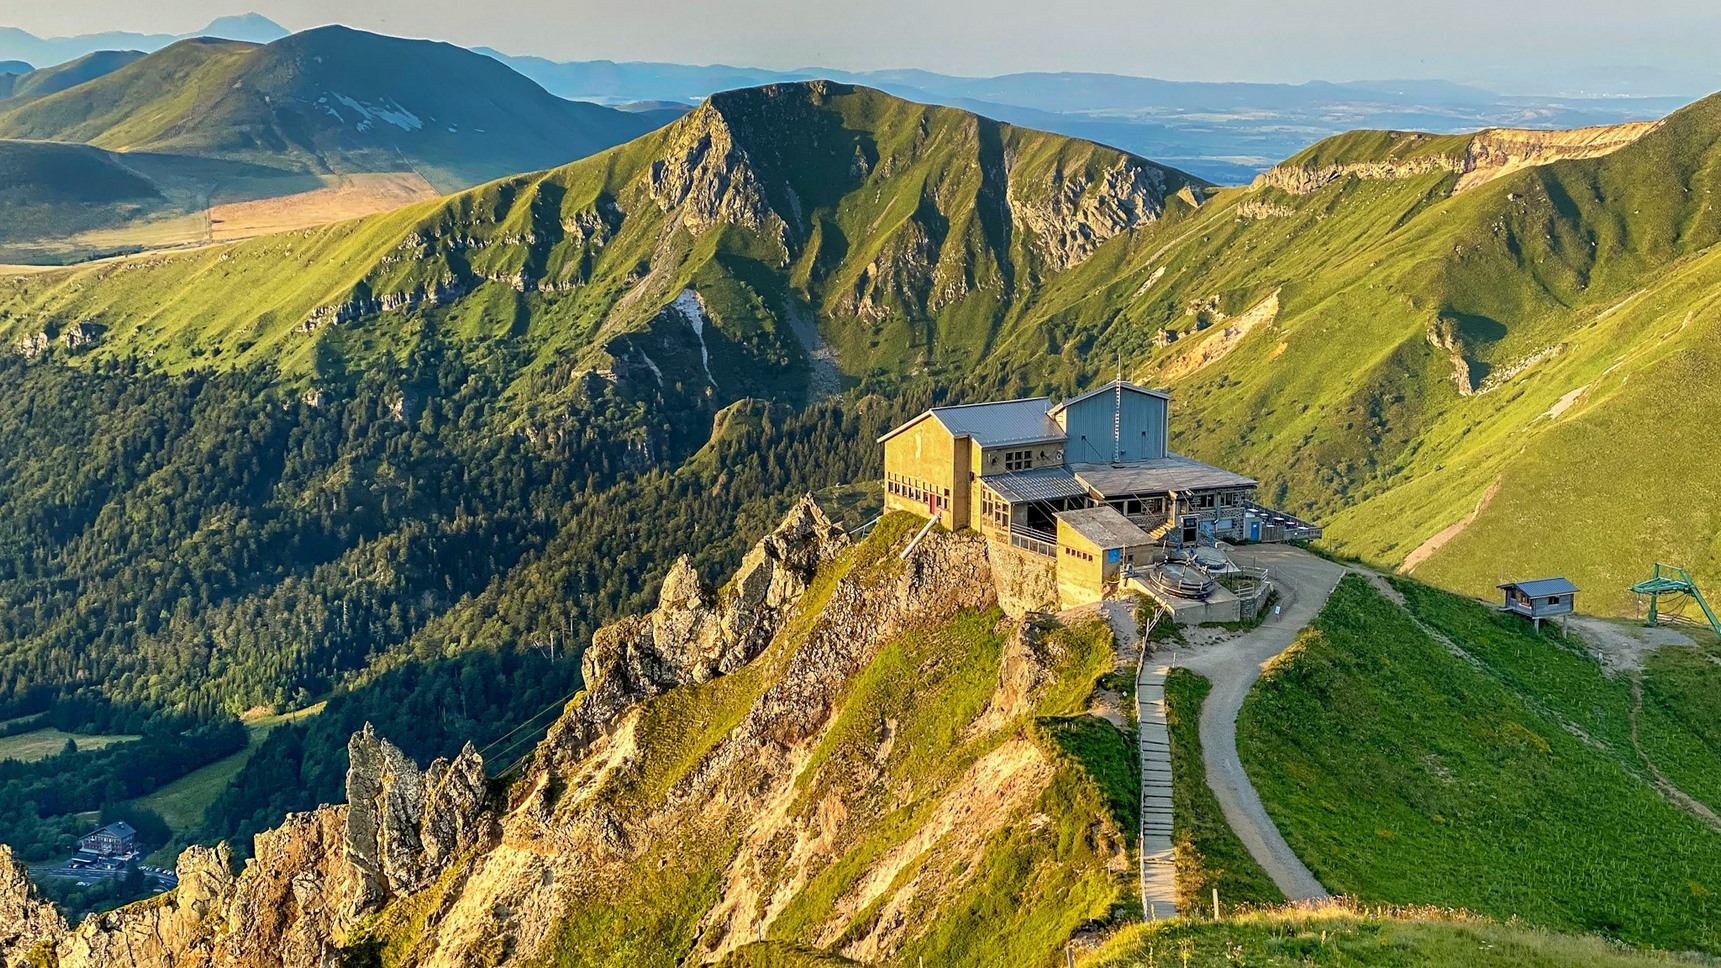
(1026, 582)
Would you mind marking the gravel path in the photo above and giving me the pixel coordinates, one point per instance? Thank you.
(1304, 582)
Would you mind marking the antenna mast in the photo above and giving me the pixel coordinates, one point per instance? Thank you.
(1117, 414)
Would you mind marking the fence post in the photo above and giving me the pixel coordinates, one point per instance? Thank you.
(1216, 904)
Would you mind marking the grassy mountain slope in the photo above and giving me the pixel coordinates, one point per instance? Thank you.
(907, 231)
(1420, 364)
(47, 188)
(52, 80)
(330, 100)
(1506, 779)
(929, 789)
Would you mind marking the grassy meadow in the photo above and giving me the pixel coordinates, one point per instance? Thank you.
(43, 743)
(1335, 935)
(1502, 781)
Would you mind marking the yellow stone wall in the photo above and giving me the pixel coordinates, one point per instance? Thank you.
(926, 459)
(1082, 569)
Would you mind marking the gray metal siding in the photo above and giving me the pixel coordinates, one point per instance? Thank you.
(1141, 431)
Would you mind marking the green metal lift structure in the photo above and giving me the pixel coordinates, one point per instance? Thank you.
(1673, 580)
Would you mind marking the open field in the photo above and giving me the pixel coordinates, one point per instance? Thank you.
(229, 210)
(182, 802)
(44, 743)
(342, 197)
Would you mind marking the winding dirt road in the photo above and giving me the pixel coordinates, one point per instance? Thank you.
(1304, 582)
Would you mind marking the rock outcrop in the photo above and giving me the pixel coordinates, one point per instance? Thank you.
(175, 928)
(27, 921)
(1075, 214)
(403, 826)
(1488, 155)
(697, 632)
(703, 179)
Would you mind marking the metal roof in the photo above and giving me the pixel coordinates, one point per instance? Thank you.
(1111, 388)
(1172, 472)
(1040, 484)
(1105, 526)
(1542, 587)
(995, 424)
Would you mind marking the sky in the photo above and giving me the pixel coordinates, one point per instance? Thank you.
(1579, 42)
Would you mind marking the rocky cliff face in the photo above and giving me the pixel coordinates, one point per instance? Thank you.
(1073, 215)
(702, 179)
(1487, 156)
(27, 922)
(632, 788)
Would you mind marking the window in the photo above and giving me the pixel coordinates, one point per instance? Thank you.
(994, 510)
(1018, 460)
(1204, 501)
(1155, 505)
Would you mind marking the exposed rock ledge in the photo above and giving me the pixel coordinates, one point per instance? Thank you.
(1489, 155)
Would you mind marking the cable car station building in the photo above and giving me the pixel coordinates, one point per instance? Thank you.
(1088, 482)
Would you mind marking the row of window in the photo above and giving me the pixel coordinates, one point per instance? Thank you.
(1209, 501)
(918, 491)
(1080, 555)
(994, 509)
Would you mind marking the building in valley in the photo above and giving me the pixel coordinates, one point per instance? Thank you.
(114, 840)
(1087, 482)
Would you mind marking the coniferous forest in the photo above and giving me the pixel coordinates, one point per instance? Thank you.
(181, 550)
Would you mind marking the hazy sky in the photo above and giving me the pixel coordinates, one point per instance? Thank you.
(1205, 39)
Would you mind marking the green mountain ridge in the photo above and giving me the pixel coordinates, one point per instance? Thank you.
(877, 211)
(17, 89)
(1411, 347)
(330, 100)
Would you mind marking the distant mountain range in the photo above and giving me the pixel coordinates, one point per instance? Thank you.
(208, 122)
(1225, 132)
(21, 45)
